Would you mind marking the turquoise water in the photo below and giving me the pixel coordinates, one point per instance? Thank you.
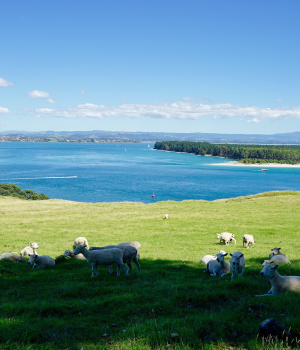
(106, 172)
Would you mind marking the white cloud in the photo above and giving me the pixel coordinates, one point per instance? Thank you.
(4, 110)
(38, 94)
(49, 100)
(176, 110)
(254, 120)
(4, 82)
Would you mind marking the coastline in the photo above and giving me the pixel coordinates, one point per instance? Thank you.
(263, 165)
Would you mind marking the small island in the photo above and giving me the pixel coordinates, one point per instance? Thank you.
(243, 154)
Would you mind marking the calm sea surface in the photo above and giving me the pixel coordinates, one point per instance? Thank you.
(105, 172)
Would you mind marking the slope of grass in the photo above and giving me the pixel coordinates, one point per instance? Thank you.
(172, 304)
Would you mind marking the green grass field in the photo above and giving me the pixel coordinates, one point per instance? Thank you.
(64, 308)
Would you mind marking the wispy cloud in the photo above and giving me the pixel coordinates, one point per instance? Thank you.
(254, 120)
(82, 92)
(176, 110)
(4, 82)
(4, 110)
(49, 100)
(38, 94)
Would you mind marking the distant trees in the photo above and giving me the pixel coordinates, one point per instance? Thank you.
(12, 190)
(244, 153)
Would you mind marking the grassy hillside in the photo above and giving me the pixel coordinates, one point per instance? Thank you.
(64, 308)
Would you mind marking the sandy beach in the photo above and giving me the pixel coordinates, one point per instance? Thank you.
(263, 166)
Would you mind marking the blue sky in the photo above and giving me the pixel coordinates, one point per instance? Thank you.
(174, 66)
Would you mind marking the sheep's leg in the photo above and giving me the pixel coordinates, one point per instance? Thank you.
(233, 240)
(232, 276)
(94, 268)
(130, 267)
(135, 260)
(223, 274)
(118, 270)
(110, 268)
(125, 269)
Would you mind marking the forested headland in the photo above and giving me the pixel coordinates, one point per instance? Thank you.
(249, 154)
(11, 190)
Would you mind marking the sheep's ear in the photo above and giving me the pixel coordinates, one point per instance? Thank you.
(279, 248)
(241, 255)
(84, 245)
(275, 267)
(272, 249)
(225, 254)
(28, 254)
(230, 254)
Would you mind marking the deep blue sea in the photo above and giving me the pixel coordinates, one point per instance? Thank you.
(111, 172)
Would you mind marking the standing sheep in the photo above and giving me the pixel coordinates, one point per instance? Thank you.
(12, 257)
(226, 237)
(79, 241)
(237, 264)
(129, 255)
(279, 283)
(42, 261)
(103, 257)
(219, 266)
(248, 239)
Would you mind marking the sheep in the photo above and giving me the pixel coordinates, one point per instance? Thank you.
(134, 244)
(30, 249)
(12, 257)
(79, 241)
(207, 258)
(248, 239)
(42, 261)
(222, 252)
(279, 283)
(226, 237)
(72, 255)
(129, 255)
(237, 264)
(103, 257)
(166, 216)
(277, 259)
(276, 251)
(219, 266)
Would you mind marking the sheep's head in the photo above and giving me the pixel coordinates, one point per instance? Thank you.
(266, 262)
(67, 253)
(220, 257)
(34, 245)
(276, 251)
(21, 258)
(218, 235)
(235, 259)
(32, 258)
(268, 270)
(79, 249)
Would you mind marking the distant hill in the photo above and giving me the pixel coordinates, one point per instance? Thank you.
(284, 138)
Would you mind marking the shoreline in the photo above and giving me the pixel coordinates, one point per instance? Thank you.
(263, 165)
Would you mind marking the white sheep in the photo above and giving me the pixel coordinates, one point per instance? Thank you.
(12, 257)
(277, 259)
(166, 217)
(237, 264)
(279, 283)
(248, 239)
(276, 251)
(31, 249)
(103, 257)
(218, 266)
(79, 241)
(41, 261)
(226, 237)
(207, 258)
(72, 255)
(129, 255)
(222, 252)
(134, 244)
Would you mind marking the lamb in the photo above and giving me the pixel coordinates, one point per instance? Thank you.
(276, 251)
(134, 244)
(207, 258)
(30, 250)
(79, 241)
(237, 264)
(103, 257)
(248, 239)
(12, 257)
(226, 237)
(166, 216)
(219, 266)
(279, 283)
(277, 259)
(129, 255)
(72, 255)
(42, 261)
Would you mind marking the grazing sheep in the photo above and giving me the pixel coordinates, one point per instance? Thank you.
(237, 264)
(219, 266)
(248, 239)
(104, 257)
(79, 241)
(166, 216)
(72, 255)
(12, 257)
(279, 283)
(30, 249)
(226, 237)
(207, 258)
(42, 261)
(277, 259)
(129, 255)
(134, 244)
(276, 251)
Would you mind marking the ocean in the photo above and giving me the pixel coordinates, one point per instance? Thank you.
(118, 172)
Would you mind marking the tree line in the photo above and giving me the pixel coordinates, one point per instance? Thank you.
(244, 153)
(12, 190)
